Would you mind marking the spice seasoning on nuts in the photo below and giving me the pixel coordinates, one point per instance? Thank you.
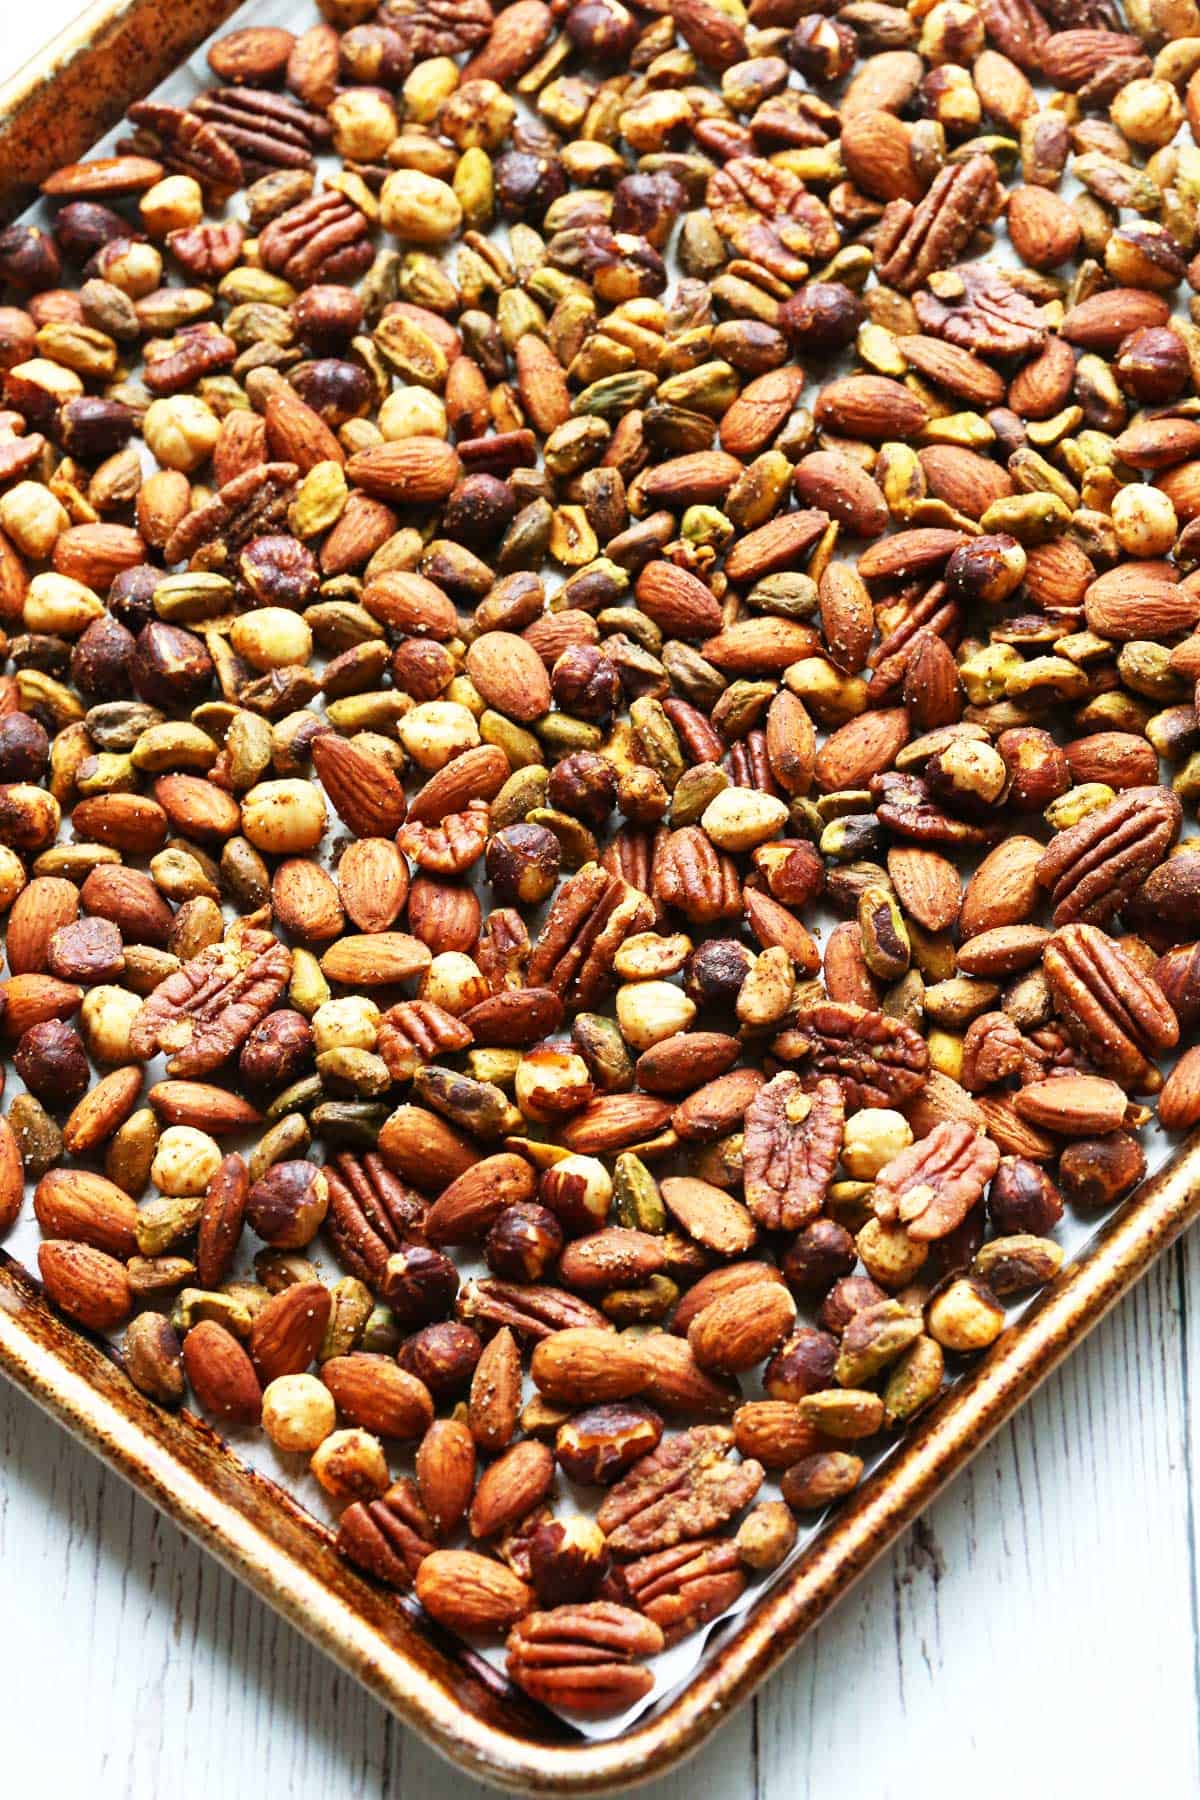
(646, 813)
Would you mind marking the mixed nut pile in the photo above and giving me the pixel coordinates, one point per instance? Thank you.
(462, 667)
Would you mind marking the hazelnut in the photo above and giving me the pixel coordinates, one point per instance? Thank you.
(327, 317)
(739, 819)
(585, 785)
(845, 1298)
(351, 1465)
(1152, 365)
(822, 316)
(585, 683)
(550, 1082)
(714, 972)
(170, 668)
(279, 571)
(452, 980)
(351, 1023)
(185, 1161)
(602, 1443)
(1096, 1172)
(298, 1413)
(525, 1241)
(649, 1011)
(965, 1316)
(1144, 520)
(51, 1061)
(443, 1356)
(287, 1206)
(872, 1137)
(419, 1284)
(578, 1191)
(820, 1255)
(436, 731)
(522, 863)
(276, 1050)
(1023, 1199)
(24, 748)
(284, 818)
(567, 1560)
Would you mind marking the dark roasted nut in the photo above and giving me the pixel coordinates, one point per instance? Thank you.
(286, 1207)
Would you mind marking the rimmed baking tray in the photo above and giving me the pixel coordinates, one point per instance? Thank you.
(49, 114)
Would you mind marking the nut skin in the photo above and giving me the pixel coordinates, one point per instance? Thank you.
(51, 1061)
(568, 1559)
(817, 1257)
(277, 1051)
(714, 973)
(443, 1356)
(524, 1243)
(288, 1204)
(601, 1444)
(803, 1365)
(1022, 1198)
(522, 863)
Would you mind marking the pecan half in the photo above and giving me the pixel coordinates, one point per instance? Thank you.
(1119, 1015)
(687, 1488)
(792, 1143)
(879, 1061)
(592, 915)
(416, 1032)
(390, 1537)
(207, 1009)
(980, 310)
(1093, 867)
(695, 878)
(584, 1658)
(254, 504)
(531, 1311)
(189, 146)
(767, 215)
(371, 1213)
(267, 131)
(420, 29)
(323, 239)
(914, 241)
(683, 1588)
(932, 1186)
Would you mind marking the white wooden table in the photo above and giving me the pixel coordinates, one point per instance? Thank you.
(1036, 1633)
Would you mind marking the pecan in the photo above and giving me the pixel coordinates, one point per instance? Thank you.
(1114, 1011)
(687, 1488)
(419, 29)
(188, 146)
(767, 215)
(903, 804)
(207, 1009)
(267, 131)
(980, 310)
(932, 1186)
(694, 877)
(175, 364)
(207, 251)
(418, 1031)
(371, 1213)
(254, 504)
(452, 846)
(879, 1061)
(388, 1538)
(532, 1312)
(583, 1658)
(993, 1050)
(914, 241)
(792, 1143)
(323, 239)
(684, 1587)
(592, 915)
(503, 950)
(1094, 867)
(902, 624)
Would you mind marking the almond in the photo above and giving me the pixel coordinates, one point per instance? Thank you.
(287, 1331)
(1042, 226)
(363, 791)
(678, 1383)
(470, 1593)
(410, 604)
(877, 151)
(509, 674)
(129, 822)
(475, 774)
(927, 886)
(196, 806)
(614, 1122)
(295, 432)
(1179, 1101)
(779, 544)
(305, 900)
(517, 39)
(465, 1211)
(541, 383)
(702, 478)
(718, 1106)
(446, 1473)
(495, 1400)
(88, 1209)
(864, 746)
(34, 917)
(1103, 319)
(376, 959)
(908, 554)
(685, 1061)
(31, 999)
(842, 488)
(1058, 574)
(847, 616)
(221, 1374)
(678, 601)
(372, 1392)
(93, 1119)
(12, 1177)
(583, 1366)
(1003, 890)
(1042, 386)
(774, 926)
(966, 481)
(86, 1284)
(871, 406)
(414, 471)
(1139, 607)
(221, 1220)
(511, 1487)
(954, 369)
(741, 1328)
(713, 1218)
(759, 410)
(791, 743)
(129, 898)
(202, 1105)
(364, 527)
(423, 1149)
(755, 647)
(1072, 1105)
(373, 882)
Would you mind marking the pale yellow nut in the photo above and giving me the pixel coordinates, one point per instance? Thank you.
(436, 731)
(185, 1161)
(285, 818)
(60, 605)
(551, 1081)
(106, 1017)
(364, 123)
(419, 208)
(172, 204)
(271, 637)
(872, 1138)
(453, 981)
(412, 412)
(350, 1465)
(181, 431)
(646, 956)
(649, 1011)
(1144, 520)
(425, 88)
(298, 1412)
(308, 989)
(965, 1316)
(351, 1023)
(742, 818)
(12, 876)
(33, 518)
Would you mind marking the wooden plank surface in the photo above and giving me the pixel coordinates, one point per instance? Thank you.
(1036, 1633)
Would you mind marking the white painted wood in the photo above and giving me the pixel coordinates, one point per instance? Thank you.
(1035, 1634)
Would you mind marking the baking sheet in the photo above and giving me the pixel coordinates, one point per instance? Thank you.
(1074, 1233)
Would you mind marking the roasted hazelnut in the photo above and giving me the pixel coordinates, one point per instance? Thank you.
(585, 683)
(337, 390)
(419, 1285)
(101, 659)
(648, 205)
(24, 748)
(820, 1255)
(18, 335)
(803, 1365)
(965, 1316)
(567, 1560)
(443, 1356)
(1152, 365)
(526, 184)
(90, 427)
(170, 667)
(351, 1465)
(584, 784)
(1037, 766)
(822, 49)
(287, 1206)
(327, 317)
(277, 1050)
(525, 1241)
(550, 1082)
(1096, 1172)
(29, 259)
(479, 511)
(1023, 1199)
(845, 1298)
(714, 972)
(604, 31)
(578, 1191)
(84, 226)
(988, 568)
(599, 1445)
(968, 778)
(279, 571)
(131, 596)
(51, 1061)
(522, 863)
(822, 316)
